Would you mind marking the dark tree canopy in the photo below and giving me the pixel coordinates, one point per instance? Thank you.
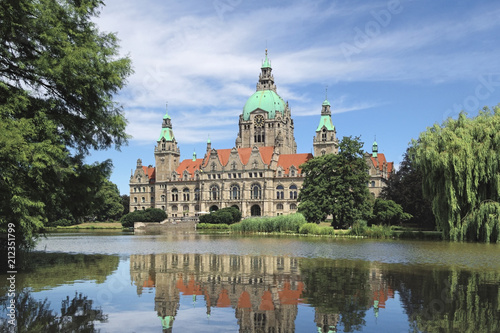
(58, 77)
(460, 163)
(335, 184)
(405, 188)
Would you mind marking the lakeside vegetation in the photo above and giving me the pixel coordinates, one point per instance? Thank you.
(295, 224)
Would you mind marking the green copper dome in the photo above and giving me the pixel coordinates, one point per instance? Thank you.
(266, 100)
(325, 121)
(167, 134)
(326, 102)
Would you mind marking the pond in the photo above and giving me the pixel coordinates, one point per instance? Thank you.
(121, 282)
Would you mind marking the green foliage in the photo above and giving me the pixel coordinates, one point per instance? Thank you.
(460, 161)
(405, 188)
(107, 202)
(58, 76)
(335, 184)
(148, 215)
(483, 223)
(282, 223)
(125, 199)
(227, 215)
(358, 228)
(315, 229)
(208, 226)
(388, 212)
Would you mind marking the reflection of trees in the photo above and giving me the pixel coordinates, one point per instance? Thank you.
(77, 315)
(52, 269)
(449, 300)
(337, 287)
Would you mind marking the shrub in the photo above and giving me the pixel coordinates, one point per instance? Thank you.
(358, 228)
(379, 231)
(282, 223)
(148, 215)
(309, 228)
(60, 223)
(227, 215)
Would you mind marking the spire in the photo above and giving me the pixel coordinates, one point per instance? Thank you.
(266, 80)
(266, 63)
(325, 107)
(194, 155)
(166, 127)
(375, 148)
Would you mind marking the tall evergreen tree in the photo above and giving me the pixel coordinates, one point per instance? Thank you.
(460, 163)
(58, 76)
(335, 184)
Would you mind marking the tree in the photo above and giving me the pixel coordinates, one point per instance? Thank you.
(335, 184)
(405, 188)
(107, 202)
(460, 162)
(125, 203)
(58, 76)
(388, 212)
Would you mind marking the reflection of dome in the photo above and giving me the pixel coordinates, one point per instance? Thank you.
(266, 100)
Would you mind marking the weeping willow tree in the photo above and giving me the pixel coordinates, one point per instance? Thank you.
(460, 162)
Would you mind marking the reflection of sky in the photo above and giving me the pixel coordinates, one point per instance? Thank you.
(129, 312)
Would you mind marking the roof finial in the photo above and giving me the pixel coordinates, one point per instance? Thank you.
(326, 92)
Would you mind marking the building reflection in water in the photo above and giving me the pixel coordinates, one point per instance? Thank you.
(265, 291)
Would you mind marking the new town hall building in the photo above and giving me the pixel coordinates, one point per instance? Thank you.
(260, 175)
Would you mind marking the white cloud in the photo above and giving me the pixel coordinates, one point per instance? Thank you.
(204, 60)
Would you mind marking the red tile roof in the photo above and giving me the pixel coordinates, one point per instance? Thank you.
(149, 171)
(266, 153)
(379, 162)
(189, 165)
(285, 161)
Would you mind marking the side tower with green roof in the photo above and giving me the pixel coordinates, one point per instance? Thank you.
(325, 141)
(266, 118)
(166, 151)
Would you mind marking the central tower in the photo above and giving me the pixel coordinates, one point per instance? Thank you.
(266, 119)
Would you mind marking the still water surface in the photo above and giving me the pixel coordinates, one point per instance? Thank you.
(121, 282)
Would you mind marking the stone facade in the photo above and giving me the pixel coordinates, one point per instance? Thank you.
(261, 175)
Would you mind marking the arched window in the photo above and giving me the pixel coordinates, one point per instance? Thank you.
(135, 189)
(280, 192)
(175, 194)
(185, 210)
(197, 194)
(213, 166)
(197, 208)
(293, 206)
(279, 206)
(175, 208)
(163, 197)
(323, 135)
(143, 199)
(185, 194)
(293, 191)
(256, 192)
(135, 200)
(235, 192)
(214, 192)
(292, 171)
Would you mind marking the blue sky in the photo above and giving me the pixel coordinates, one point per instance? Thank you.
(392, 68)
